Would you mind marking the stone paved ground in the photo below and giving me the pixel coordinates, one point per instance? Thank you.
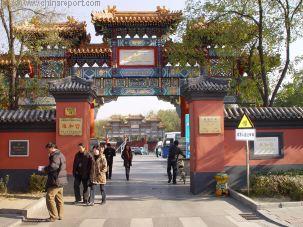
(17, 201)
(292, 216)
(147, 200)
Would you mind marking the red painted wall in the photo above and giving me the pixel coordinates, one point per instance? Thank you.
(69, 144)
(293, 148)
(37, 153)
(207, 150)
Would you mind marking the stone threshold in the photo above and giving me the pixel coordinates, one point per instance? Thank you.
(261, 206)
(25, 213)
(262, 209)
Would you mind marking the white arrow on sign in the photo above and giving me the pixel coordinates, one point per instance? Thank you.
(245, 134)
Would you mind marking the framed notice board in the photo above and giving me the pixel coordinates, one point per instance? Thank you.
(268, 145)
(18, 148)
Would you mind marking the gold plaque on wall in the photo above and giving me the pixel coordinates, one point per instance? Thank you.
(209, 124)
(70, 111)
(70, 126)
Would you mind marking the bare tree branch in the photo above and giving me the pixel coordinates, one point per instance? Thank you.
(4, 22)
(28, 9)
(296, 10)
(244, 15)
(281, 4)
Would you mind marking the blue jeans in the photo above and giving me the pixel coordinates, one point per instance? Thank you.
(92, 192)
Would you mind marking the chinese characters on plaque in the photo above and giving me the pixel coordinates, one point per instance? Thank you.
(135, 57)
(209, 124)
(70, 111)
(18, 148)
(70, 126)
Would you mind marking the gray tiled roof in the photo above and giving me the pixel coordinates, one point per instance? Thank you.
(264, 113)
(27, 116)
(70, 84)
(230, 114)
(206, 84)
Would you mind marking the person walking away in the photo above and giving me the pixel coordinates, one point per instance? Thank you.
(81, 171)
(172, 159)
(127, 156)
(98, 174)
(56, 179)
(109, 153)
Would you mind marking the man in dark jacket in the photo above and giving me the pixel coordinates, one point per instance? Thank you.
(56, 179)
(81, 170)
(173, 153)
(109, 153)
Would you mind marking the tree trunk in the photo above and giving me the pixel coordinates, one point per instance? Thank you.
(283, 74)
(287, 23)
(13, 94)
(265, 97)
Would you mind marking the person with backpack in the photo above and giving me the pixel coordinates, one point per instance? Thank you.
(172, 159)
(56, 179)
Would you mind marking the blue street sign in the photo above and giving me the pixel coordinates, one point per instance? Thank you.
(187, 136)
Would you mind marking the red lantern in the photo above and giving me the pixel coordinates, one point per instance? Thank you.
(240, 66)
(31, 70)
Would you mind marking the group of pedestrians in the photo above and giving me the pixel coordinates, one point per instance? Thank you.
(91, 169)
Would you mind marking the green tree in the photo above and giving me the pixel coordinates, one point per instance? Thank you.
(100, 129)
(233, 42)
(20, 45)
(259, 36)
(292, 93)
(4, 103)
(170, 120)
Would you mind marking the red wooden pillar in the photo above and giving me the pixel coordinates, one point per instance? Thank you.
(184, 110)
(92, 120)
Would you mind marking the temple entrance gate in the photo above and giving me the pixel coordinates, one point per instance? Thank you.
(133, 63)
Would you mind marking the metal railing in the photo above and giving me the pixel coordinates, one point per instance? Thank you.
(121, 147)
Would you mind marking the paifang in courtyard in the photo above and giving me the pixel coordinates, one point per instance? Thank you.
(133, 61)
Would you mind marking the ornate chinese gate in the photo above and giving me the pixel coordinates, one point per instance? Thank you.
(132, 61)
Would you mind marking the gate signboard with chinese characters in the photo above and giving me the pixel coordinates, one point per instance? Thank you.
(209, 124)
(70, 111)
(70, 127)
(246, 134)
